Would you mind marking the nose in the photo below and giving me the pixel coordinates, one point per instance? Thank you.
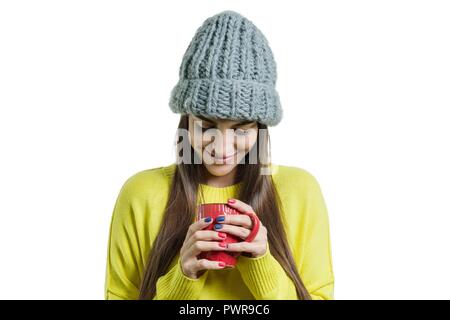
(223, 145)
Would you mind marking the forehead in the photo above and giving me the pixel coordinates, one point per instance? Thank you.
(216, 120)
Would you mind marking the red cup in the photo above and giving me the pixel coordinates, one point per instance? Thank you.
(214, 210)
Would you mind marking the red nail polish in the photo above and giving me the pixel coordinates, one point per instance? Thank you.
(221, 264)
(223, 245)
(231, 200)
(222, 235)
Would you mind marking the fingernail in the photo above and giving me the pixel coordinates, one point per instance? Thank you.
(223, 245)
(221, 264)
(220, 218)
(222, 235)
(218, 226)
(208, 219)
(231, 200)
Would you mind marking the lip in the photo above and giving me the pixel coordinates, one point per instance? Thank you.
(227, 157)
(223, 158)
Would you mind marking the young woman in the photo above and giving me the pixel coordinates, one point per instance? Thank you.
(226, 97)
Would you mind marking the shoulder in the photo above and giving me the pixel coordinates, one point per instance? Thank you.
(294, 178)
(148, 182)
(301, 195)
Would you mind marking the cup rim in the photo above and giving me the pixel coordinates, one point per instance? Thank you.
(201, 204)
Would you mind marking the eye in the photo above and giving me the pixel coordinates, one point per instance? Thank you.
(241, 132)
(203, 128)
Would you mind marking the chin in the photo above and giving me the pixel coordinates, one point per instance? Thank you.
(220, 169)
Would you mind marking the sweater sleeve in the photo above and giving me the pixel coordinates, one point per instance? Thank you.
(316, 259)
(124, 261)
(266, 278)
(175, 285)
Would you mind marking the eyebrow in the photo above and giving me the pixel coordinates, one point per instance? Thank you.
(212, 121)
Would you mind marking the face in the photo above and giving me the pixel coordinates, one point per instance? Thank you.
(222, 143)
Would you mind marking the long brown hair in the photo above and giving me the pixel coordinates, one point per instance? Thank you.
(257, 190)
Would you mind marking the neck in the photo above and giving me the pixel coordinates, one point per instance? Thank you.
(221, 181)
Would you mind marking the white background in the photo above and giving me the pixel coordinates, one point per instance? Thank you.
(84, 89)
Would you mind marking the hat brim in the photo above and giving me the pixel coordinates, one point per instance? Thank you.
(227, 99)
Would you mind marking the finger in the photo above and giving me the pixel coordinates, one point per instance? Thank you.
(239, 232)
(242, 220)
(203, 264)
(241, 247)
(199, 225)
(200, 246)
(205, 235)
(239, 205)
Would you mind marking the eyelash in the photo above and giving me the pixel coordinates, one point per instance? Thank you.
(243, 131)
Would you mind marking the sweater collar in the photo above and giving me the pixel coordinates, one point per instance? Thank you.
(210, 194)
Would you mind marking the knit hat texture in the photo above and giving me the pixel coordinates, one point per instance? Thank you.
(228, 72)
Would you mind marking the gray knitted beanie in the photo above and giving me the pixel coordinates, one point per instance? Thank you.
(228, 72)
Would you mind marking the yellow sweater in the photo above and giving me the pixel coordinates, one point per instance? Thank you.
(137, 216)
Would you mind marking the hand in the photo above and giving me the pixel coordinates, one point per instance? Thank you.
(196, 241)
(240, 226)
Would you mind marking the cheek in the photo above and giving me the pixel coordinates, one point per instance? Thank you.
(245, 143)
(195, 139)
